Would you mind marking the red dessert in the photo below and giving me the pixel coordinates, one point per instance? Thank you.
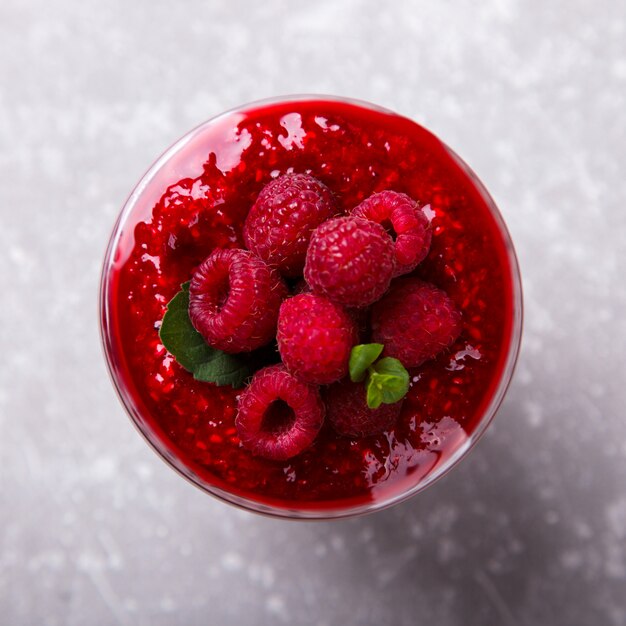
(197, 200)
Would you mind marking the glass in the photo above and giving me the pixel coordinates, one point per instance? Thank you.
(185, 158)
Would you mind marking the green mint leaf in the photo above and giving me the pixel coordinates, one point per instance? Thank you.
(374, 395)
(393, 367)
(179, 336)
(389, 388)
(206, 364)
(223, 369)
(388, 382)
(361, 357)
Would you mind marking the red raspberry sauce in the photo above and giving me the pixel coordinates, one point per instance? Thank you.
(355, 151)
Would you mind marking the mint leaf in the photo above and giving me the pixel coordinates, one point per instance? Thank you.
(179, 336)
(223, 369)
(374, 394)
(361, 357)
(207, 364)
(388, 382)
(387, 389)
(393, 367)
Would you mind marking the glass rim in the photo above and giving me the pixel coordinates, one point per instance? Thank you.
(271, 510)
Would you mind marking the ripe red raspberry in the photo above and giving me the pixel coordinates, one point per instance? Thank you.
(234, 299)
(279, 225)
(315, 337)
(350, 260)
(278, 416)
(408, 224)
(415, 321)
(347, 411)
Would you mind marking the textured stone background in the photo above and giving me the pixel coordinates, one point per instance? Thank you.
(530, 529)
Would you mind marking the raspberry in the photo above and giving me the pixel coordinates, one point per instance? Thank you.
(415, 321)
(279, 225)
(234, 299)
(315, 337)
(278, 416)
(347, 411)
(350, 260)
(406, 222)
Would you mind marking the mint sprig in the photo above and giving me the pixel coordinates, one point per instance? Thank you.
(190, 350)
(387, 379)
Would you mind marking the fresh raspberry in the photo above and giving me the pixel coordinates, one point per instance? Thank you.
(315, 337)
(234, 299)
(347, 411)
(279, 225)
(415, 321)
(278, 415)
(350, 260)
(407, 223)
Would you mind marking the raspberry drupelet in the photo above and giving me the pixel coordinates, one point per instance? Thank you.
(234, 299)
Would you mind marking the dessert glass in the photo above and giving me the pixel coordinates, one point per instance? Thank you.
(186, 159)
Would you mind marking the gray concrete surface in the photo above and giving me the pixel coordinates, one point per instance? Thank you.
(530, 529)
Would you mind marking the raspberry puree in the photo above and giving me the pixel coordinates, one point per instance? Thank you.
(355, 151)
